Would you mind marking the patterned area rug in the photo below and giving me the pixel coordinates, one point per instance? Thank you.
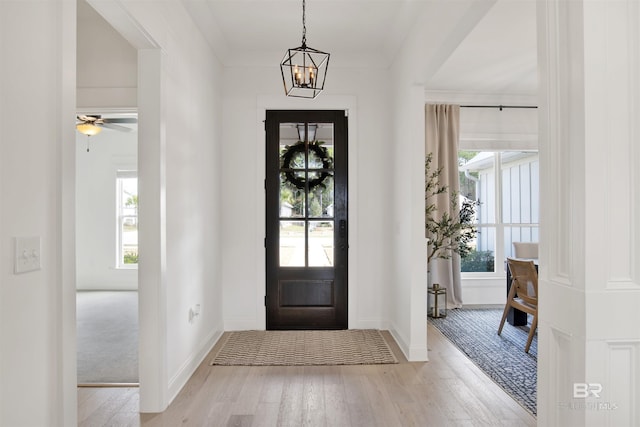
(501, 357)
(294, 348)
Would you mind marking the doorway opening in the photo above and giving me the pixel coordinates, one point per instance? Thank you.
(107, 252)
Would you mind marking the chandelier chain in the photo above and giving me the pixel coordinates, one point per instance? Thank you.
(304, 24)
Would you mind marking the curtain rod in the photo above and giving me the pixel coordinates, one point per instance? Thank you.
(499, 106)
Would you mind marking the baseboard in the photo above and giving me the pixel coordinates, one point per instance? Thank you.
(482, 306)
(413, 354)
(109, 385)
(369, 324)
(178, 381)
(243, 324)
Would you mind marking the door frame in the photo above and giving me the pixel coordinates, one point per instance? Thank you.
(334, 316)
(324, 102)
(152, 375)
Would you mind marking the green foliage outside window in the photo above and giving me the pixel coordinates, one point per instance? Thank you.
(478, 261)
(130, 258)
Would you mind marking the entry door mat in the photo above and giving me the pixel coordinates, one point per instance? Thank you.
(501, 357)
(304, 348)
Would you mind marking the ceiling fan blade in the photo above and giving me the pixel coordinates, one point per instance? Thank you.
(86, 119)
(116, 127)
(120, 120)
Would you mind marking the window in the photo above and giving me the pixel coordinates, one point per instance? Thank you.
(509, 203)
(127, 219)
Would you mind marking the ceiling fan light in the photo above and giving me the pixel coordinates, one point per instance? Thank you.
(88, 129)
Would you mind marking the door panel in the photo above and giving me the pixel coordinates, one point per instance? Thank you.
(306, 223)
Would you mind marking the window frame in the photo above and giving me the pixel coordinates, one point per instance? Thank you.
(498, 226)
(122, 174)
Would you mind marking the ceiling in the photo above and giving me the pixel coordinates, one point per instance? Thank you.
(494, 53)
(497, 56)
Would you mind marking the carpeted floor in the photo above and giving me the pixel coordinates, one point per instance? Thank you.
(107, 325)
(501, 357)
(295, 348)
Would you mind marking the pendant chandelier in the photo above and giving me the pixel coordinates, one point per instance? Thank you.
(304, 69)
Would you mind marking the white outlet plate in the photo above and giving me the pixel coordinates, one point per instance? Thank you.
(27, 254)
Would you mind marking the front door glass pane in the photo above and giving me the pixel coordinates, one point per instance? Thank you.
(306, 194)
(321, 243)
(292, 202)
(292, 243)
(321, 200)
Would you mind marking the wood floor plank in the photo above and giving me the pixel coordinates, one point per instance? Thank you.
(361, 415)
(266, 415)
(313, 403)
(106, 404)
(290, 414)
(337, 411)
(447, 390)
(273, 384)
(240, 421)
(379, 397)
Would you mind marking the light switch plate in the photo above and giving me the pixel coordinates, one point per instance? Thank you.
(27, 255)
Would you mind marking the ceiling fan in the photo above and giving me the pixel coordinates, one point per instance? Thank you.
(92, 124)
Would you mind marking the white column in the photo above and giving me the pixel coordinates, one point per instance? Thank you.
(589, 331)
(152, 269)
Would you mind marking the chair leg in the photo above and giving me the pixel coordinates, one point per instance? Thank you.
(512, 294)
(504, 317)
(534, 326)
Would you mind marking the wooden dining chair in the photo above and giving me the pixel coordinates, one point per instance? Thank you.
(523, 294)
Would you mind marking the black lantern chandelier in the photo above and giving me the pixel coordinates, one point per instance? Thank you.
(304, 69)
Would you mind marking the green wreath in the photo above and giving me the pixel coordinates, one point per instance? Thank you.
(300, 182)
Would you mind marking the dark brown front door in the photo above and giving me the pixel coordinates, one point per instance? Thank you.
(306, 197)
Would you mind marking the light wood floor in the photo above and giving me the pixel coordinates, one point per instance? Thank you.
(449, 390)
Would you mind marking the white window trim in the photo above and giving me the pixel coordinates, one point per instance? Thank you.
(120, 174)
(499, 226)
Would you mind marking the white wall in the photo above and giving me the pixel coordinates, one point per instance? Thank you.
(37, 309)
(589, 285)
(249, 92)
(407, 295)
(107, 71)
(96, 226)
(423, 52)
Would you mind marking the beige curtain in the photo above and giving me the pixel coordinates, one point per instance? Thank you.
(442, 129)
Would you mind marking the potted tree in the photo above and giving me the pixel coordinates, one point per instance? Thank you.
(446, 233)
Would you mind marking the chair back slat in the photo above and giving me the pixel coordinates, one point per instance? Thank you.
(525, 278)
